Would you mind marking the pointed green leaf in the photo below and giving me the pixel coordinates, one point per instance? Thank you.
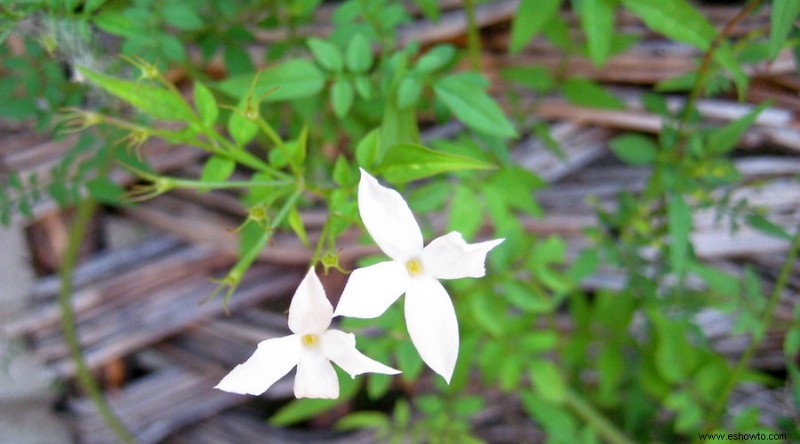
(294, 79)
(359, 54)
(676, 19)
(724, 139)
(530, 18)
(584, 92)
(206, 104)
(597, 21)
(326, 53)
(217, 169)
(436, 58)
(405, 162)
(157, 102)
(342, 96)
(408, 93)
(782, 17)
(634, 149)
(473, 106)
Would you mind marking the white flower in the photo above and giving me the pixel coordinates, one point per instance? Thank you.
(311, 348)
(413, 270)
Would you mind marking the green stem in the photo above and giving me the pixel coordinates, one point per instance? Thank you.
(705, 64)
(473, 37)
(595, 419)
(766, 319)
(77, 232)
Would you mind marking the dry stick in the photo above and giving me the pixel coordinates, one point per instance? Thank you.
(702, 71)
(766, 319)
(77, 232)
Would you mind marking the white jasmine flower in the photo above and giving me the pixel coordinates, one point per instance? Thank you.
(413, 270)
(311, 348)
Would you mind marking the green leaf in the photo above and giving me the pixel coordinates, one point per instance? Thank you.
(367, 149)
(182, 16)
(676, 19)
(359, 54)
(363, 87)
(296, 223)
(680, 226)
(408, 93)
(530, 18)
(597, 20)
(217, 169)
(465, 212)
(326, 53)
(436, 58)
(430, 9)
(294, 79)
(782, 17)
(242, 129)
(206, 104)
(537, 78)
(305, 408)
(584, 92)
(364, 420)
(105, 190)
(405, 162)
(472, 106)
(157, 102)
(548, 381)
(342, 173)
(634, 149)
(342, 95)
(489, 313)
(117, 24)
(762, 224)
(724, 139)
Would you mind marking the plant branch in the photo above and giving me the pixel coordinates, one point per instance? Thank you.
(595, 419)
(766, 319)
(705, 65)
(473, 38)
(77, 232)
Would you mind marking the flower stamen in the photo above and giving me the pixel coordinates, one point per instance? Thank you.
(309, 340)
(414, 267)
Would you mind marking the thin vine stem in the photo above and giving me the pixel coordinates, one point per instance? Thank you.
(473, 38)
(752, 346)
(595, 419)
(703, 69)
(77, 232)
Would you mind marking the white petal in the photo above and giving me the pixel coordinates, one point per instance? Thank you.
(340, 348)
(371, 290)
(315, 377)
(388, 219)
(310, 311)
(450, 257)
(432, 325)
(271, 361)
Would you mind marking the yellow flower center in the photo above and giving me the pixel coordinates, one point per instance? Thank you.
(309, 340)
(414, 267)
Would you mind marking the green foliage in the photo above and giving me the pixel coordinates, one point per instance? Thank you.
(291, 136)
(463, 95)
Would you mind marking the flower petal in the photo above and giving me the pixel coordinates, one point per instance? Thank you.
(432, 325)
(310, 311)
(271, 361)
(340, 347)
(450, 257)
(315, 377)
(388, 219)
(371, 290)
